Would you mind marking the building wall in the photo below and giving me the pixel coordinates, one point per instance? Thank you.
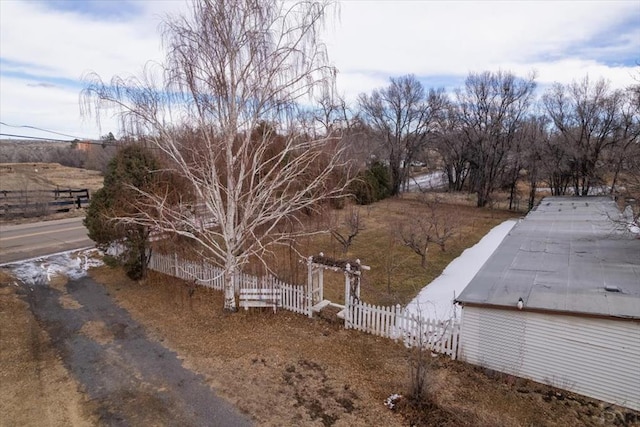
(594, 357)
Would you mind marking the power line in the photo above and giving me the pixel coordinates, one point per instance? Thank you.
(40, 129)
(35, 137)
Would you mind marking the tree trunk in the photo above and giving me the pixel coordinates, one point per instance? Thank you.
(229, 290)
(483, 193)
(396, 180)
(512, 194)
(532, 195)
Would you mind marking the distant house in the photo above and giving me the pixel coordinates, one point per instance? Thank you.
(84, 145)
(559, 302)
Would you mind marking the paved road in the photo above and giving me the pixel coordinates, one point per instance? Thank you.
(18, 242)
(428, 181)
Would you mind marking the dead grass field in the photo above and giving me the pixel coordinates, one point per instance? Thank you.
(396, 275)
(47, 176)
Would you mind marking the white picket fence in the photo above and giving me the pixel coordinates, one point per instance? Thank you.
(397, 323)
(293, 297)
(393, 322)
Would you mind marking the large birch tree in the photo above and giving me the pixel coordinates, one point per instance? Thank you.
(236, 75)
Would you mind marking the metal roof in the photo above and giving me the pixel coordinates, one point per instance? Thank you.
(568, 255)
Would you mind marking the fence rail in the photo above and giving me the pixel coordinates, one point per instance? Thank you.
(393, 322)
(41, 202)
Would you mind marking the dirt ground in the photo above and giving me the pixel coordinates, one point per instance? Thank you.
(125, 378)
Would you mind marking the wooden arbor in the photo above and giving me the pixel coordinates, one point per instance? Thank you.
(315, 281)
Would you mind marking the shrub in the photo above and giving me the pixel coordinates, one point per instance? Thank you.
(371, 184)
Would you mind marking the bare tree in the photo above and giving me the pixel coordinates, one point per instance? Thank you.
(492, 108)
(332, 114)
(452, 147)
(401, 115)
(626, 157)
(393, 258)
(626, 151)
(351, 226)
(535, 139)
(356, 138)
(224, 118)
(587, 118)
(426, 228)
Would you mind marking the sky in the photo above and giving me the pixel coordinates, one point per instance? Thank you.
(48, 47)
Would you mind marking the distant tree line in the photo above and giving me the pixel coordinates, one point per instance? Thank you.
(94, 155)
(493, 133)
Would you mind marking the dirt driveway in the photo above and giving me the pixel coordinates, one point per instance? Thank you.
(127, 378)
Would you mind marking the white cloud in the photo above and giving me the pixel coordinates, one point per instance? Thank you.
(53, 108)
(372, 41)
(453, 38)
(350, 85)
(64, 44)
(567, 70)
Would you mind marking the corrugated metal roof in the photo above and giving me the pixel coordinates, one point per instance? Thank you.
(561, 257)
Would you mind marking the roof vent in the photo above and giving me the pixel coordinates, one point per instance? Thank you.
(612, 288)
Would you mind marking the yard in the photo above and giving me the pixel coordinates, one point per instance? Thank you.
(284, 368)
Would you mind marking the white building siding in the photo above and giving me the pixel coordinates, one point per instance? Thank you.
(595, 357)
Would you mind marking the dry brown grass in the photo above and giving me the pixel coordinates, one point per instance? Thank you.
(396, 275)
(47, 176)
(287, 369)
(265, 363)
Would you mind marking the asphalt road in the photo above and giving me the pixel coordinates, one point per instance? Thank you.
(24, 241)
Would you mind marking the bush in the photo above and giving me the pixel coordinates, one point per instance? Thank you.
(135, 264)
(111, 261)
(371, 184)
(134, 167)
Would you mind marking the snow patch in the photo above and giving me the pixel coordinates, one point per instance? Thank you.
(391, 401)
(435, 301)
(72, 264)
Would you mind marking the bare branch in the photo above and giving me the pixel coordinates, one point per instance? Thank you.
(352, 225)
